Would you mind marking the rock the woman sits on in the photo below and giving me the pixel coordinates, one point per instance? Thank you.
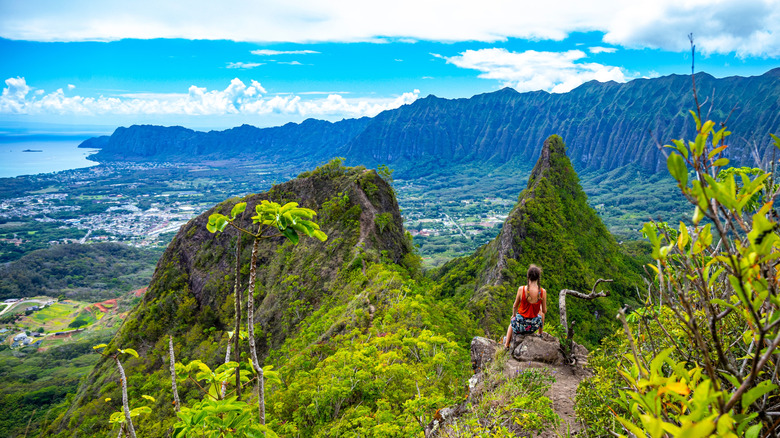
(529, 307)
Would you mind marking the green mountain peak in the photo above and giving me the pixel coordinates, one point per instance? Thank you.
(551, 226)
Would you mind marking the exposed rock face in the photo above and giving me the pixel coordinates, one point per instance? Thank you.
(482, 352)
(545, 348)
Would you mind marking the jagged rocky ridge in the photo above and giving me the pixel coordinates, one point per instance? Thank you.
(607, 125)
(552, 226)
(191, 292)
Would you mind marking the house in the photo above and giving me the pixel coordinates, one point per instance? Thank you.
(37, 343)
(4, 330)
(20, 337)
(26, 341)
(36, 334)
(33, 309)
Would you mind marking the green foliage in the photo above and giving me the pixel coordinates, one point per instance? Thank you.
(385, 172)
(88, 272)
(384, 221)
(702, 351)
(227, 418)
(545, 228)
(509, 406)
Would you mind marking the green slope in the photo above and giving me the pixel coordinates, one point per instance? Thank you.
(552, 226)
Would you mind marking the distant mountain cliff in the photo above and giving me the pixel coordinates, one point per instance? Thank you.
(311, 140)
(606, 124)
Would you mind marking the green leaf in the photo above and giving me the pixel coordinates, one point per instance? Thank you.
(140, 410)
(698, 215)
(756, 392)
(131, 352)
(217, 222)
(721, 162)
(683, 237)
(99, 346)
(148, 397)
(291, 234)
(677, 169)
(753, 431)
(238, 209)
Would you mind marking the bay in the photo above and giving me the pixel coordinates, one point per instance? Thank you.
(54, 156)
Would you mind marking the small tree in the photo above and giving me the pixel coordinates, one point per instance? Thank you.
(289, 221)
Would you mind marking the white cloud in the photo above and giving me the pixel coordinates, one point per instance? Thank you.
(748, 27)
(531, 70)
(71, 86)
(244, 65)
(237, 98)
(597, 50)
(282, 52)
(290, 63)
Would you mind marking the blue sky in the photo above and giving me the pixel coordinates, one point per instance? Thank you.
(214, 65)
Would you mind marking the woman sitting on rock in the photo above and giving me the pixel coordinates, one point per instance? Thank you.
(529, 307)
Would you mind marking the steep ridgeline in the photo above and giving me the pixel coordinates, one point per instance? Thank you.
(553, 227)
(191, 293)
(312, 140)
(607, 125)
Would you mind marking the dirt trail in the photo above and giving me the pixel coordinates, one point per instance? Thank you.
(561, 393)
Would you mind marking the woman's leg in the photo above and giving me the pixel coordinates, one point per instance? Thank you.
(541, 327)
(508, 336)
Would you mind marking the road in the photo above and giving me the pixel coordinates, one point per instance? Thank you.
(456, 225)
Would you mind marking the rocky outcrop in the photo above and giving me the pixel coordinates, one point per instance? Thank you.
(544, 348)
(528, 351)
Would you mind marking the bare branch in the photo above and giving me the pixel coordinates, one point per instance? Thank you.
(176, 402)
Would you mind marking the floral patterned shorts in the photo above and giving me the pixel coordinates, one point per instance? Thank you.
(523, 326)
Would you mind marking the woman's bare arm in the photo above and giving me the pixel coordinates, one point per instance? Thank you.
(544, 308)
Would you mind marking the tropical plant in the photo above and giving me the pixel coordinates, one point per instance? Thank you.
(703, 351)
(289, 221)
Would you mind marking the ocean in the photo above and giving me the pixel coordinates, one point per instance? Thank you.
(54, 155)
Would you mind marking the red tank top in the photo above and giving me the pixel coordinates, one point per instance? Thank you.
(529, 310)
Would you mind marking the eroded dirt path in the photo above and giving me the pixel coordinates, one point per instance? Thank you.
(561, 392)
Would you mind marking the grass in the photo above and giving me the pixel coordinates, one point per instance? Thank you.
(57, 316)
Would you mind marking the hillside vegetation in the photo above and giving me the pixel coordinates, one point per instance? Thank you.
(354, 341)
(86, 272)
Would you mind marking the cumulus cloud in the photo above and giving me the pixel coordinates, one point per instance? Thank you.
(748, 27)
(282, 52)
(557, 72)
(244, 65)
(237, 98)
(596, 50)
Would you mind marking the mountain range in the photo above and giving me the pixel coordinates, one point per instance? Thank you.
(606, 125)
